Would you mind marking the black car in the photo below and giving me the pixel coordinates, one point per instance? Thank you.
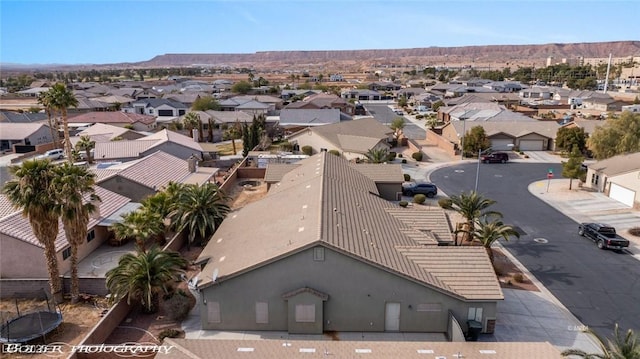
(495, 157)
(427, 189)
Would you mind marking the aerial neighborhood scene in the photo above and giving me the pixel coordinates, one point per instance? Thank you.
(410, 183)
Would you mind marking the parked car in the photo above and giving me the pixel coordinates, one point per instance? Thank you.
(604, 235)
(56, 154)
(495, 157)
(427, 189)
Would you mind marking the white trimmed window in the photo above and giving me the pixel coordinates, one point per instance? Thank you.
(213, 312)
(262, 312)
(305, 313)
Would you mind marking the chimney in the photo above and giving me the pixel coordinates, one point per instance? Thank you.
(192, 164)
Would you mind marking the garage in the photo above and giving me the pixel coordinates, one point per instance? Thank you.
(501, 144)
(621, 194)
(531, 145)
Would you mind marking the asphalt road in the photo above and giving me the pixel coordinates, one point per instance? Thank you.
(600, 287)
(383, 114)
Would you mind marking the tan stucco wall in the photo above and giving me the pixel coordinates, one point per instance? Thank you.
(21, 260)
(309, 138)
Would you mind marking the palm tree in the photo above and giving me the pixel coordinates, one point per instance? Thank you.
(29, 191)
(200, 209)
(61, 99)
(191, 120)
(233, 132)
(74, 188)
(397, 125)
(472, 206)
(489, 232)
(142, 276)
(86, 144)
(622, 347)
(139, 225)
(378, 155)
(45, 100)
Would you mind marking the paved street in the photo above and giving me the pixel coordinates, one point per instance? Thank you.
(599, 287)
(383, 114)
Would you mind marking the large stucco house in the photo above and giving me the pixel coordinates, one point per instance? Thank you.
(324, 252)
(618, 177)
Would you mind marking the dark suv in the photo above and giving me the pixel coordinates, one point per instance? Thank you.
(496, 157)
(427, 189)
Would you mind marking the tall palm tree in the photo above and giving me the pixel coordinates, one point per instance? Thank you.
(45, 100)
(86, 144)
(489, 232)
(233, 133)
(200, 209)
(378, 155)
(472, 206)
(29, 191)
(191, 121)
(621, 347)
(74, 188)
(140, 225)
(61, 99)
(142, 276)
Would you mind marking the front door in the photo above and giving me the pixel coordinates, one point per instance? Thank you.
(392, 317)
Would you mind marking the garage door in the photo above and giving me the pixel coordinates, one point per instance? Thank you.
(531, 145)
(622, 194)
(501, 144)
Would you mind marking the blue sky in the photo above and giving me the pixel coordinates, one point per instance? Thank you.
(102, 32)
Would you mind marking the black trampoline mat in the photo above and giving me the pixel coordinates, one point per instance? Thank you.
(29, 326)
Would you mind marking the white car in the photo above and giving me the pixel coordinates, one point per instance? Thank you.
(56, 154)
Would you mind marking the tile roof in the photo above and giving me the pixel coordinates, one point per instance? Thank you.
(380, 173)
(17, 226)
(122, 149)
(618, 164)
(112, 117)
(18, 131)
(358, 144)
(309, 117)
(513, 128)
(157, 102)
(330, 203)
(103, 129)
(383, 349)
(230, 116)
(170, 136)
(26, 117)
(252, 105)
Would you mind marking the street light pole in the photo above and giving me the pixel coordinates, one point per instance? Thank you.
(475, 189)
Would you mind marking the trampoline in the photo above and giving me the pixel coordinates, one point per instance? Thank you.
(34, 324)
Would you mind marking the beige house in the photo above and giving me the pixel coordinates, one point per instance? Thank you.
(22, 254)
(525, 136)
(324, 252)
(618, 177)
(353, 139)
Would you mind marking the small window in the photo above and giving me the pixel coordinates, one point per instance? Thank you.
(91, 236)
(475, 314)
(305, 313)
(262, 312)
(150, 110)
(213, 312)
(66, 253)
(318, 254)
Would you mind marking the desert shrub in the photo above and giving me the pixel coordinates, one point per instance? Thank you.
(404, 161)
(335, 152)
(177, 306)
(407, 177)
(399, 155)
(635, 231)
(518, 278)
(417, 156)
(169, 333)
(403, 203)
(419, 117)
(445, 203)
(522, 153)
(419, 198)
(391, 156)
(286, 146)
(307, 150)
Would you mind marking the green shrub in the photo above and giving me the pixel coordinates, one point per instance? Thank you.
(403, 203)
(335, 152)
(404, 161)
(307, 150)
(445, 203)
(286, 146)
(419, 117)
(399, 155)
(391, 156)
(417, 156)
(518, 278)
(522, 153)
(419, 198)
(170, 333)
(635, 231)
(407, 177)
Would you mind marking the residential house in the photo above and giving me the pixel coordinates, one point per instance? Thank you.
(536, 93)
(286, 95)
(480, 111)
(384, 86)
(166, 110)
(22, 117)
(296, 118)
(522, 135)
(27, 134)
(618, 177)
(353, 139)
(22, 255)
(602, 104)
(504, 86)
(144, 177)
(362, 95)
(410, 92)
(336, 78)
(321, 100)
(116, 118)
(101, 132)
(631, 108)
(173, 143)
(288, 273)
